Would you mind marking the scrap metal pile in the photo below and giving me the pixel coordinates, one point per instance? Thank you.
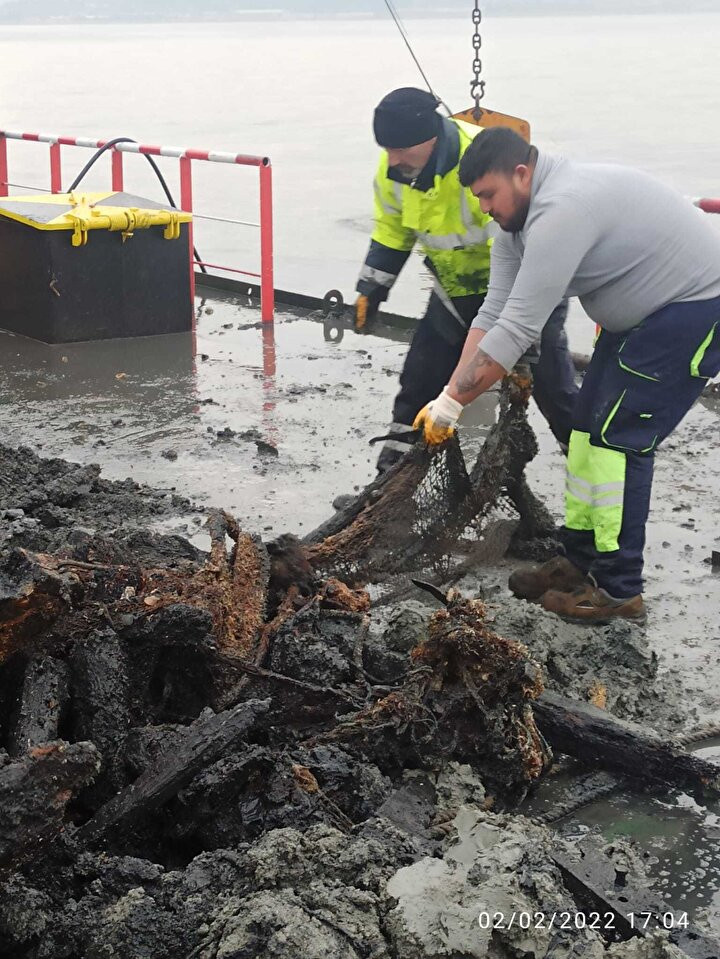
(159, 711)
(214, 755)
(107, 655)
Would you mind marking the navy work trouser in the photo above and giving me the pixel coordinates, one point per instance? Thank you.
(434, 354)
(637, 388)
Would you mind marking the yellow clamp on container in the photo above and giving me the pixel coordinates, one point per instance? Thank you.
(86, 216)
(172, 230)
(81, 212)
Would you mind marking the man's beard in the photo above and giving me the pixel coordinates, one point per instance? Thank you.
(517, 221)
(408, 172)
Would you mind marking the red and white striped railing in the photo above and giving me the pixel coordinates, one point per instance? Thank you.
(186, 157)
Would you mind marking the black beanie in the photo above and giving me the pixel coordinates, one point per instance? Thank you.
(405, 118)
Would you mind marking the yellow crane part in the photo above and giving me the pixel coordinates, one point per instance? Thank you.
(485, 118)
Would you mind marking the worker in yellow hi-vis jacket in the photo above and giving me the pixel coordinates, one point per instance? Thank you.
(419, 199)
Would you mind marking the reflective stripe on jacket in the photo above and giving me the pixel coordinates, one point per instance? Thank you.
(445, 219)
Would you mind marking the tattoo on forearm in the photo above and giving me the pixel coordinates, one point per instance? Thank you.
(472, 373)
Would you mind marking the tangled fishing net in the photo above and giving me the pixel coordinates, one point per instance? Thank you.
(429, 512)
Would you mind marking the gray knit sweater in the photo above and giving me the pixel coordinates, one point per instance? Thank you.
(618, 239)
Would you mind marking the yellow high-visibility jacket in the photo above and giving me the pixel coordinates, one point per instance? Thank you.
(438, 213)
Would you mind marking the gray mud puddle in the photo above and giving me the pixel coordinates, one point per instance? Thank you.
(680, 836)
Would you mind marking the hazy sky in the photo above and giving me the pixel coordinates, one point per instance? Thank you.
(188, 9)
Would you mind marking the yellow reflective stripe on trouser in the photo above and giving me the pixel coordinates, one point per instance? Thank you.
(594, 490)
(700, 353)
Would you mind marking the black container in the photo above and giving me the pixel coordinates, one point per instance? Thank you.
(55, 292)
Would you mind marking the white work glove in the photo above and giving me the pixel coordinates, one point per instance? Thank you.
(437, 420)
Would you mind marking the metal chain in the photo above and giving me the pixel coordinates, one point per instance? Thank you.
(477, 86)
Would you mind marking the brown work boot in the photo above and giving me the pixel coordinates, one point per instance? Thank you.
(590, 604)
(558, 573)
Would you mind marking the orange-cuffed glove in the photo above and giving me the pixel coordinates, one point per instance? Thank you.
(438, 419)
(365, 312)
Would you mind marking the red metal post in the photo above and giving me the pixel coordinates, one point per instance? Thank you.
(55, 169)
(186, 203)
(185, 156)
(269, 369)
(3, 167)
(268, 349)
(267, 285)
(117, 171)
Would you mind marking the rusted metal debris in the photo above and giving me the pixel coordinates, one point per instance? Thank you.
(630, 911)
(73, 596)
(602, 740)
(36, 589)
(105, 651)
(212, 701)
(35, 792)
(206, 741)
(468, 698)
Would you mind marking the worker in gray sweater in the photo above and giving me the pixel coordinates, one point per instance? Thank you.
(646, 267)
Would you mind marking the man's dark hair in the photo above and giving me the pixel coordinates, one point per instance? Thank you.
(497, 150)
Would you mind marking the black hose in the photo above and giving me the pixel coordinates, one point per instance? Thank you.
(107, 146)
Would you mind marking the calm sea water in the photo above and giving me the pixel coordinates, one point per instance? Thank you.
(637, 89)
